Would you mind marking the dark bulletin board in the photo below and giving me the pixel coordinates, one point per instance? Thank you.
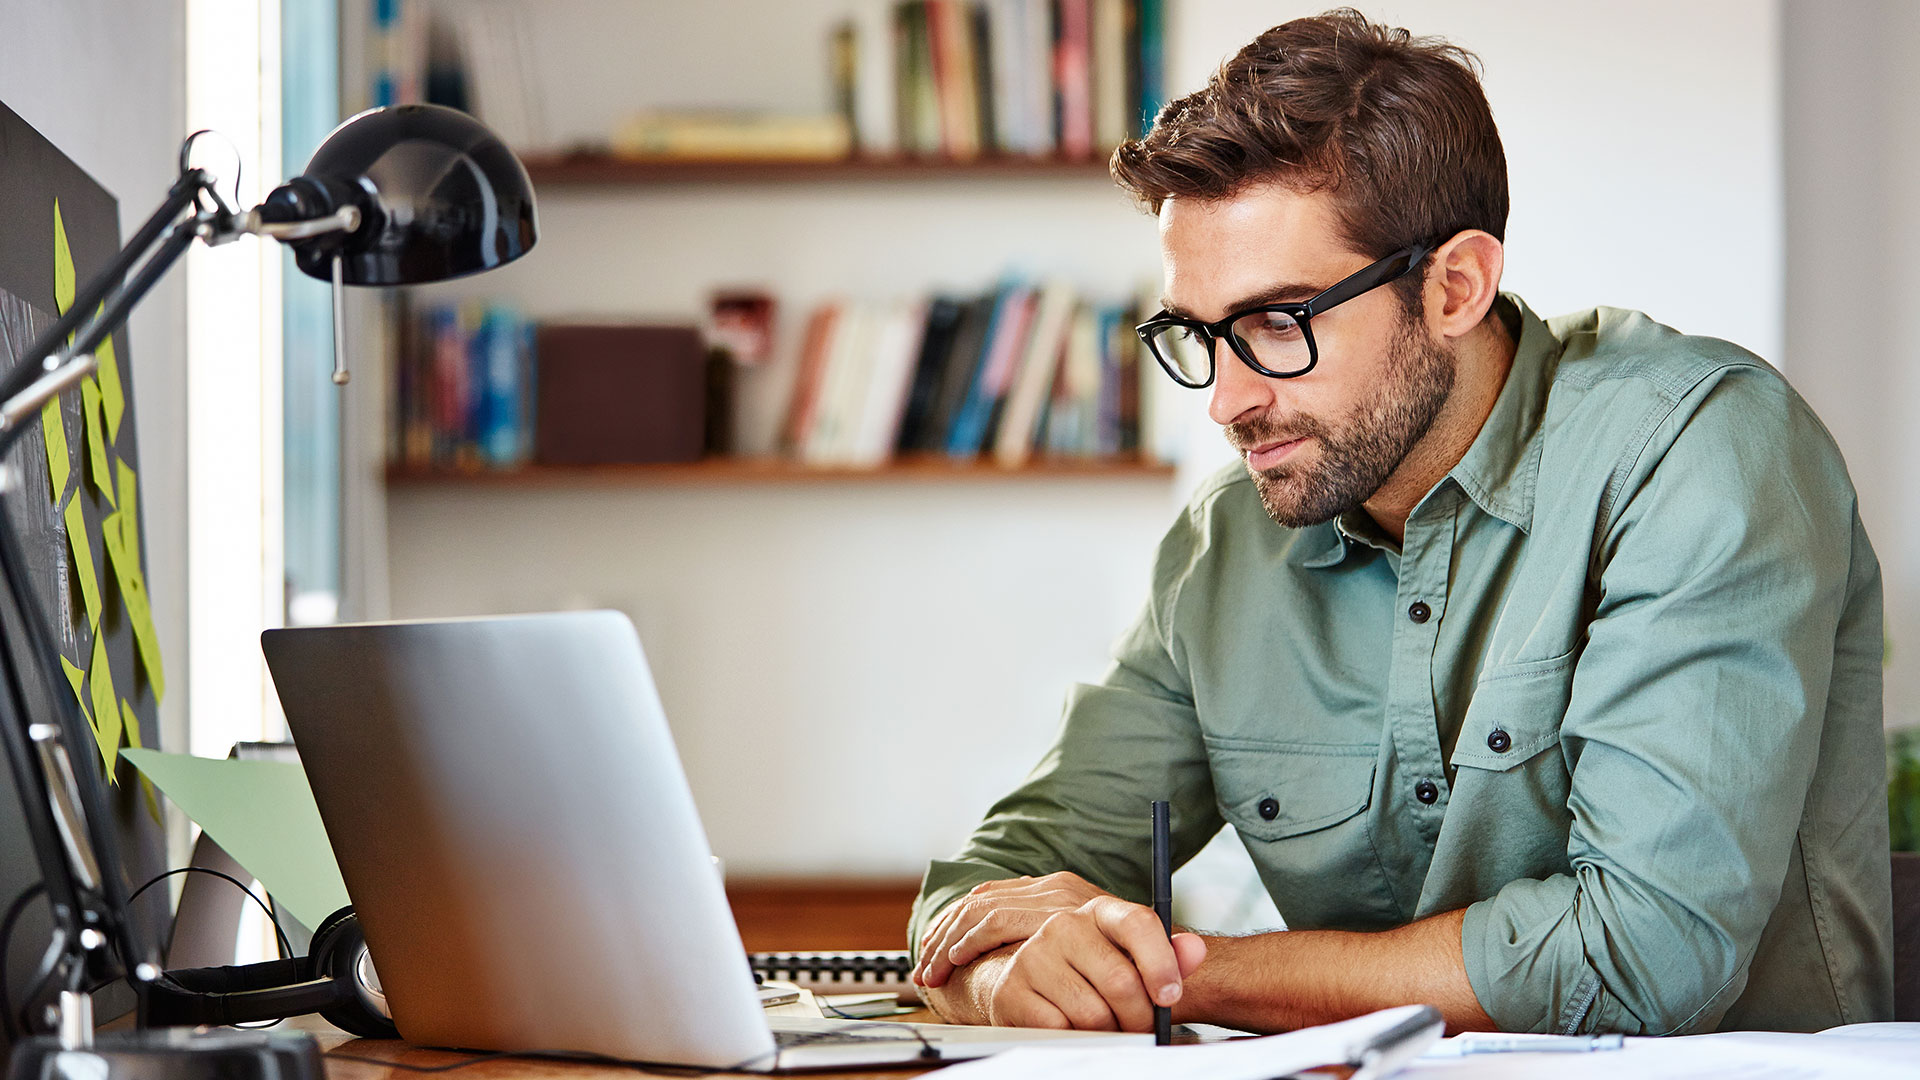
(57, 227)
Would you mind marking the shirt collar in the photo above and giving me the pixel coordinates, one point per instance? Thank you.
(1499, 469)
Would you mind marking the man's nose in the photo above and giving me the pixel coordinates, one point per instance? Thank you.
(1237, 389)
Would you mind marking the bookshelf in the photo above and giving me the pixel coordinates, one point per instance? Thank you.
(723, 471)
(819, 635)
(595, 169)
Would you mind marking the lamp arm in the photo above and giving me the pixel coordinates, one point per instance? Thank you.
(67, 364)
(184, 195)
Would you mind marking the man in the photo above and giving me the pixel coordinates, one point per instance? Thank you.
(1536, 664)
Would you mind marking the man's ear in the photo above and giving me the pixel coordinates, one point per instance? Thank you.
(1463, 280)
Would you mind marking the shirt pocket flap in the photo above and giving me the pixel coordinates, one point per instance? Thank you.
(1516, 713)
(1272, 790)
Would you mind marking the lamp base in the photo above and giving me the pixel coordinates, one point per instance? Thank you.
(172, 1054)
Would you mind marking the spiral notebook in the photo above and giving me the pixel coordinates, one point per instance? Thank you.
(839, 972)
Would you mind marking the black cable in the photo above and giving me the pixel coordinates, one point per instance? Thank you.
(285, 946)
(14, 911)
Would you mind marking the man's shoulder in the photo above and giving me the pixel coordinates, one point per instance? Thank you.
(1626, 350)
(1620, 378)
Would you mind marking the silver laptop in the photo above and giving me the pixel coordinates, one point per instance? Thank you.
(520, 843)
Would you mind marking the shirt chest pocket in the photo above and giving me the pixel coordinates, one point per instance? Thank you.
(1516, 713)
(1270, 790)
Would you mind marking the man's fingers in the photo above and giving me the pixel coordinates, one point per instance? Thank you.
(960, 917)
(1050, 975)
(1137, 930)
(1002, 927)
(1191, 950)
(1113, 976)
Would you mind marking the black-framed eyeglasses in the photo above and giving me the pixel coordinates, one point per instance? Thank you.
(1275, 340)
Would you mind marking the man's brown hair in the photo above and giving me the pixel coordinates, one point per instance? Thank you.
(1396, 127)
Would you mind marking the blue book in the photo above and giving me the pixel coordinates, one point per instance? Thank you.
(990, 380)
(498, 345)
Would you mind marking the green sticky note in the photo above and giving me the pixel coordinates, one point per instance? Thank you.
(59, 459)
(106, 706)
(125, 560)
(83, 560)
(63, 281)
(132, 725)
(113, 397)
(76, 677)
(129, 504)
(96, 439)
(263, 814)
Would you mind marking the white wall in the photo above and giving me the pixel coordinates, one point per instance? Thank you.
(855, 671)
(1853, 218)
(102, 80)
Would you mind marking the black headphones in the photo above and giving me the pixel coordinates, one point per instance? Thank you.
(335, 979)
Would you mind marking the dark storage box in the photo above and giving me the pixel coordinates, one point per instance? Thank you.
(620, 394)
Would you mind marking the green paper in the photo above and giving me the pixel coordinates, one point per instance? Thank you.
(123, 546)
(112, 397)
(106, 706)
(59, 458)
(63, 278)
(263, 814)
(96, 439)
(83, 559)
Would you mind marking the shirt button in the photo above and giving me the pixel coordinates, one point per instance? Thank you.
(1419, 612)
(1426, 791)
(1269, 808)
(1499, 742)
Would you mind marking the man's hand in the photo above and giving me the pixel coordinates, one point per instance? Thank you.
(1100, 967)
(995, 913)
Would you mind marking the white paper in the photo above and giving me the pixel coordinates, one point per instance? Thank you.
(1863, 1050)
(1240, 1059)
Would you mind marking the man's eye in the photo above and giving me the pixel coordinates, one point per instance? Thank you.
(1266, 326)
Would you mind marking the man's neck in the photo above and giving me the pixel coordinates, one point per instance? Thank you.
(1484, 357)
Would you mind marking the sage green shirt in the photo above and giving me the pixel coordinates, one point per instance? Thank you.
(1617, 695)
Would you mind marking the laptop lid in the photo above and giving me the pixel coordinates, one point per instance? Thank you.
(513, 825)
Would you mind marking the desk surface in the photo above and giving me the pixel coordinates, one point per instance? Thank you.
(334, 1043)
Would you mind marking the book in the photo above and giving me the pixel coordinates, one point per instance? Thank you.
(875, 131)
(936, 342)
(961, 368)
(1072, 78)
(463, 388)
(805, 396)
(898, 331)
(726, 134)
(1107, 32)
(1034, 374)
(974, 423)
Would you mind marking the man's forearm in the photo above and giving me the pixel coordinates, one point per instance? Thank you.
(1283, 980)
(1297, 978)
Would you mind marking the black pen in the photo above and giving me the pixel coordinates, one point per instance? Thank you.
(1163, 907)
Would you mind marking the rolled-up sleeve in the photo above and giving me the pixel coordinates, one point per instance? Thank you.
(1694, 725)
(1124, 741)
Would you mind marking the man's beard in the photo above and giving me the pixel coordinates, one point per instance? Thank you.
(1358, 455)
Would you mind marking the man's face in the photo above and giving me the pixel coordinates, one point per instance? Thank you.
(1320, 444)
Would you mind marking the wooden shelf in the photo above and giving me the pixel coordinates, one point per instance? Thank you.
(604, 170)
(729, 471)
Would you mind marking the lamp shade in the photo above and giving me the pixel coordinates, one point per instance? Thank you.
(440, 197)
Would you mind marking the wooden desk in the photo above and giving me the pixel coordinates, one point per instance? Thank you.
(334, 1042)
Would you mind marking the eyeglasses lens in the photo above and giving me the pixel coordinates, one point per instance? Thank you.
(1275, 340)
(1186, 353)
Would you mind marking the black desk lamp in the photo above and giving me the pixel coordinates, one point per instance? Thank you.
(394, 196)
